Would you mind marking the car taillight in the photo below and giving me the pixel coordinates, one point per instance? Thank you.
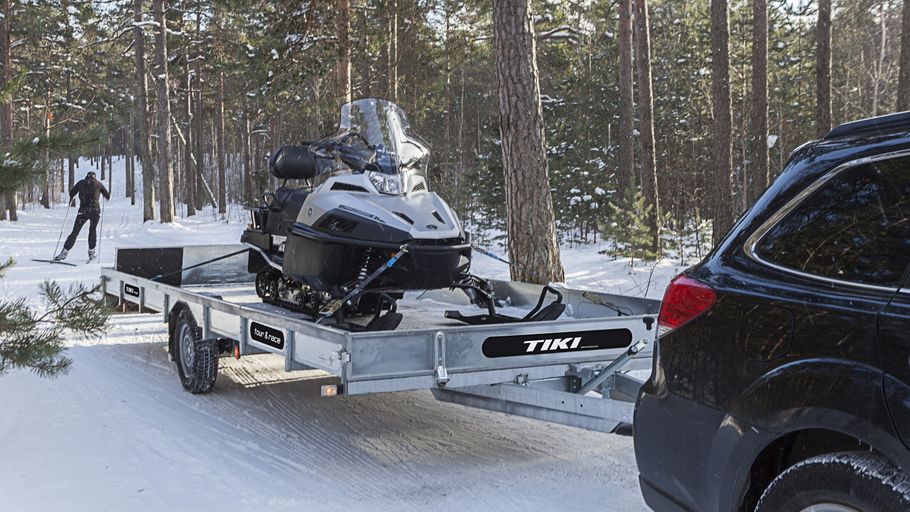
(685, 299)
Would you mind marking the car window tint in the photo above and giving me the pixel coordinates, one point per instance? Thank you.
(854, 228)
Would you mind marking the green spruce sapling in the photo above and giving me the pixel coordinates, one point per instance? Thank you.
(627, 227)
(32, 338)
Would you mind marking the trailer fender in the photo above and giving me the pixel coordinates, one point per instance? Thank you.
(172, 323)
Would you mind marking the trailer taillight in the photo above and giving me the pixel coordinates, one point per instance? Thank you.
(685, 299)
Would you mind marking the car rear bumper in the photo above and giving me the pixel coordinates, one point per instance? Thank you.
(657, 500)
(682, 451)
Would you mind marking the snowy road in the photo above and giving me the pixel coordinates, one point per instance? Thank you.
(119, 433)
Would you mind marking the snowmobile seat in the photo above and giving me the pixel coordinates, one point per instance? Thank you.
(285, 207)
(293, 163)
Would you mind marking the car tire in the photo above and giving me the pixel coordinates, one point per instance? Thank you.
(197, 359)
(839, 482)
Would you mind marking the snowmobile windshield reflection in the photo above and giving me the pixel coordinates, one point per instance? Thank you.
(373, 136)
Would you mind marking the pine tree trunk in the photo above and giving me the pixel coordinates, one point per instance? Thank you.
(343, 63)
(879, 66)
(261, 178)
(823, 70)
(219, 141)
(533, 248)
(143, 142)
(162, 94)
(45, 180)
(6, 109)
(759, 177)
(129, 169)
(189, 169)
(245, 155)
(199, 122)
(720, 95)
(394, 52)
(71, 159)
(649, 187)
(903, 84)
(626, 146)
(71, 170)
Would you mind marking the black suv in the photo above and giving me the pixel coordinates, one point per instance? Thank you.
(781, 374)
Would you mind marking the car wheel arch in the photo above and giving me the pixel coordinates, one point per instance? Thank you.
(857, 418)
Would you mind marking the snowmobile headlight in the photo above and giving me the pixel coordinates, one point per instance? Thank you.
(388, 183)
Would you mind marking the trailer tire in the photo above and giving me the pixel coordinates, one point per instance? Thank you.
(862, 481)
(197, 359)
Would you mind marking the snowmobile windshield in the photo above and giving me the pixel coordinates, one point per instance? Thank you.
(373, 135)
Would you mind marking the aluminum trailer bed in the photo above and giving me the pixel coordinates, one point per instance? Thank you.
(543, 370)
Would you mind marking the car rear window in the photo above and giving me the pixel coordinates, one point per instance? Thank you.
(854, 228)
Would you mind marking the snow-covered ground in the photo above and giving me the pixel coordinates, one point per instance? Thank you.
(119, 433)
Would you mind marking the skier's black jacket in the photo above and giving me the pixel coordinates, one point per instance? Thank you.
(89, 190)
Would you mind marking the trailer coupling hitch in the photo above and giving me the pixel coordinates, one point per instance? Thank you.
(611, 369)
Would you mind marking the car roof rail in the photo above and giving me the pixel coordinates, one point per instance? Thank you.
(872, 126)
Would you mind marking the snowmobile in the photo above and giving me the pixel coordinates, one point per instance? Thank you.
(364, 228)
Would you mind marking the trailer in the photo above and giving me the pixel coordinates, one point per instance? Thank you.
(574, 370)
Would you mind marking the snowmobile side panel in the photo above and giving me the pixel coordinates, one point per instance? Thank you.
(347, 224)
(321, 259)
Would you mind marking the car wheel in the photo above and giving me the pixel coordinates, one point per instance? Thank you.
(839, 482)
(197, 359)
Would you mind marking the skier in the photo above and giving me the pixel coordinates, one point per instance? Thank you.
(89, 190)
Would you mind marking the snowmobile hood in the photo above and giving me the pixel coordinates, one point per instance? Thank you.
(414, 216)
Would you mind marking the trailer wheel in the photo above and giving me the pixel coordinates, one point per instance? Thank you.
(197, 359)
(838, 482)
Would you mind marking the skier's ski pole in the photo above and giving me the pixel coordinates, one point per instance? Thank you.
(330, 309)
(68, 207)
(100, 231)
